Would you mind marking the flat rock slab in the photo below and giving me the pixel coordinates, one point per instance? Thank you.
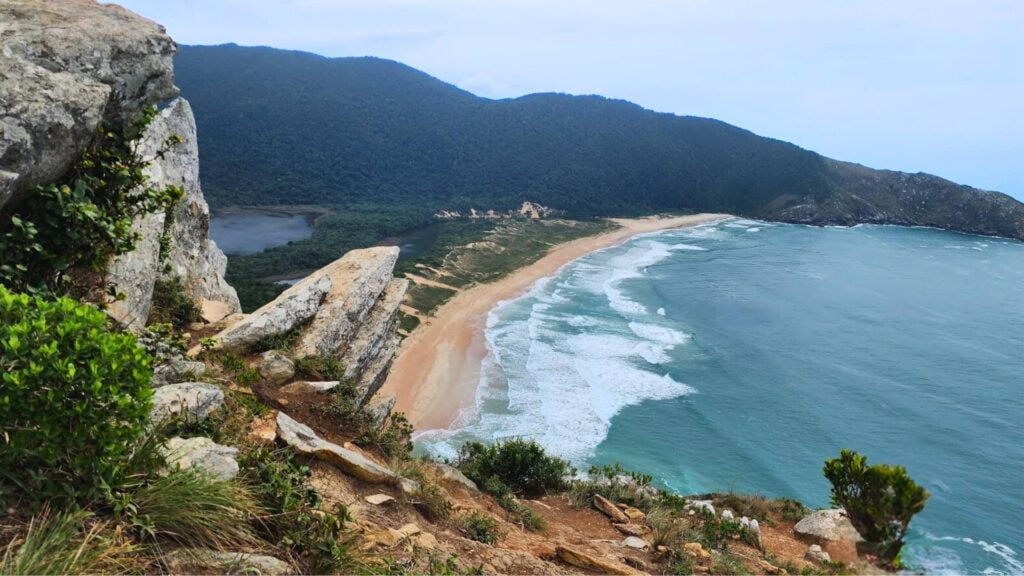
(201, 561)
(303, 439)
(610, 510)
(203, 454)
(297, 387)
(635, 543)
(194, 400)
(581, 559)
(831, 524)
(379, 499)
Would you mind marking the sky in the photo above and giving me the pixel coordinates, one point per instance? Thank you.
(933, 86)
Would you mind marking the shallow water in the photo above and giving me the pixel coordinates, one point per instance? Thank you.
(740, 355)
(251, 232)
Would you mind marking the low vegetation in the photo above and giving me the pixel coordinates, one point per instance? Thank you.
(480, 527)
(172, 305)
(522, 466)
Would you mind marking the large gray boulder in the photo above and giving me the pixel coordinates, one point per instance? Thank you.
(303, 439)
(831, 524)
(202, 454)
(65, 67)
(177, 370)
(276, 367)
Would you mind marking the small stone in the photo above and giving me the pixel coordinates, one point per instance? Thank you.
(263, 429)
(426, 541)
(695, 550)
(817, 555)
(727, 515)
(635, 543)
(634, 514)
(407, 530)
(379, 499)
(299, 387)
(276, 367)
(630, 529)
(199, 561)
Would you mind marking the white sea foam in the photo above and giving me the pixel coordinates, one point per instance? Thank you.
(753, 229)
(1006, 554)
(661, 311)
(657, 333)
(688, 247)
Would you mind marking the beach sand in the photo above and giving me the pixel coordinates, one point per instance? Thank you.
(438, 366)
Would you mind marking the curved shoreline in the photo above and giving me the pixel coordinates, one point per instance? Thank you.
(437, 370)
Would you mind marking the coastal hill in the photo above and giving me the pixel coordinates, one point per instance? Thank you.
(281, 127)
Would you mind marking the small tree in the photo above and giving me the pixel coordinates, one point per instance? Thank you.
(880, 500)
(520, 465)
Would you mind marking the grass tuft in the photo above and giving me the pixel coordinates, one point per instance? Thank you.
(62, 543)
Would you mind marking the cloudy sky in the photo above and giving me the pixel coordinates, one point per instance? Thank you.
(915, 85)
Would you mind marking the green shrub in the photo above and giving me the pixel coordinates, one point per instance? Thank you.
(81, 222)
(616, 484)
(432, 503)
(480, 527)
(880, 500)
(521, 465)
(519, 513)
(393, 438)
(173, 305)
(292, 514)
(319, 367)
(76, 398)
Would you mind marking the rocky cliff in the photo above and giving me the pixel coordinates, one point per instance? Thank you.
(66, 67)
(191, 255)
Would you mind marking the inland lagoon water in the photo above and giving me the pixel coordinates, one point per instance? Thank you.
(251, 232)
(740, 355)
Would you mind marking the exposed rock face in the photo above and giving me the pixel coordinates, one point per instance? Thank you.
(831, 524)
(357, 281)
(590, 563)
(192, 256)
(196, 400)
(65, 67)
(610, 510)
(204, 454)
(346, 310)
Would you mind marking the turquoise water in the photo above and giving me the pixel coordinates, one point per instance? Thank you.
(740, 355)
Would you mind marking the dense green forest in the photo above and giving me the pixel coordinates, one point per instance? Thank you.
(385, 146)
(281, 127)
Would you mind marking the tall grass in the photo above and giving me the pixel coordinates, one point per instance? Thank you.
(193, 509)
(61, 543)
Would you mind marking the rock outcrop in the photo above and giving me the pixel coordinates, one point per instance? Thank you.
(346, 310)
(192, 257)
(831, 524)
(66, 67)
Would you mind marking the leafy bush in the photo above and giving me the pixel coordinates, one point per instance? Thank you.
(292, 512)
(76, 399)
(480, 527)
(173, 305)
(880, 499)
(521, 465)
(83, 221)
(519, 512)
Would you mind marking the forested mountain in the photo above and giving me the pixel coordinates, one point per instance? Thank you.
(285, 127)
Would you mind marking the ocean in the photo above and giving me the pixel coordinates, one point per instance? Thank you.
(739, 355)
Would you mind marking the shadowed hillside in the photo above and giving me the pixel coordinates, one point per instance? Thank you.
(283, 127)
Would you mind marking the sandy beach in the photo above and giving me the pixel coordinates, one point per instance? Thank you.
(438, 365)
